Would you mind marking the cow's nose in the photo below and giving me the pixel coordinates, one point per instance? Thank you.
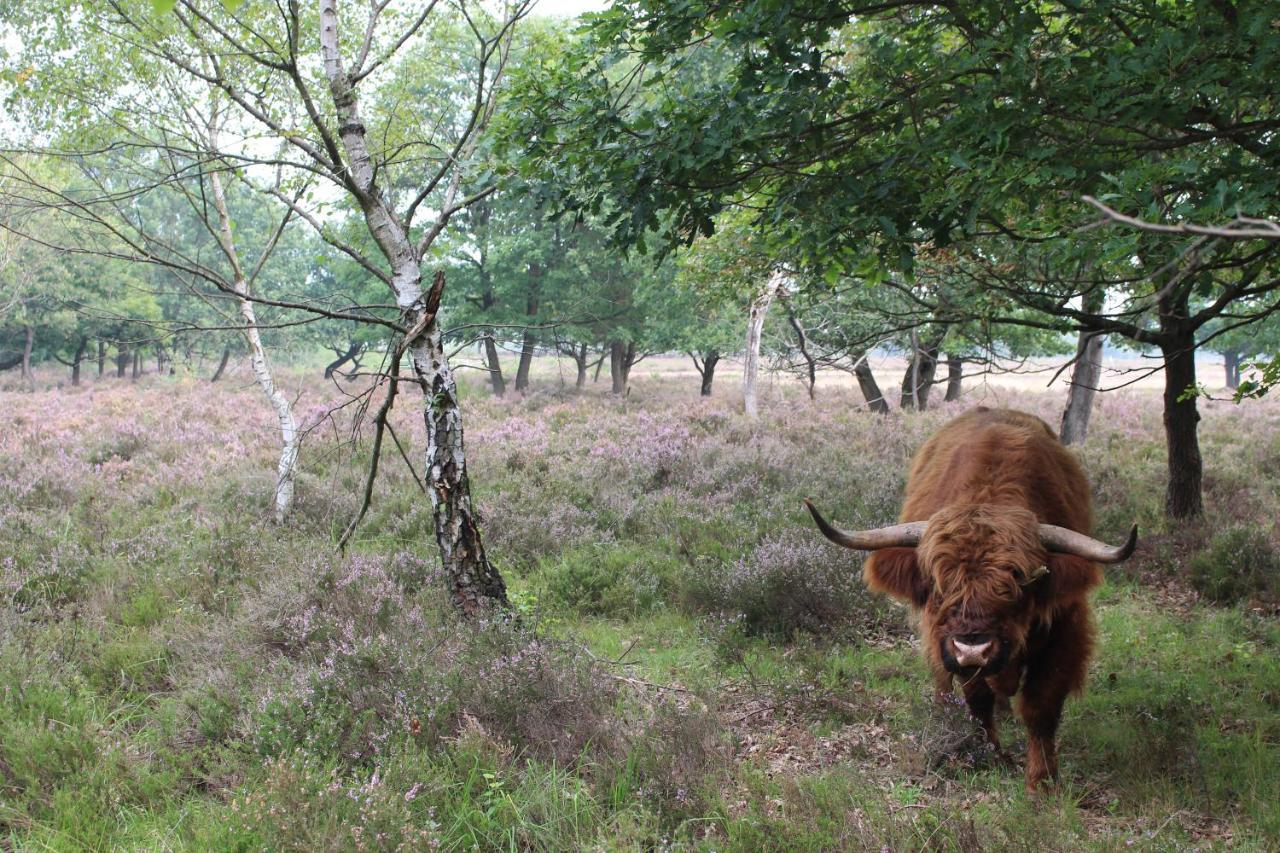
(972, 649)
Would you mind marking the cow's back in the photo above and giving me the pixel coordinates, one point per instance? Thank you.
(999, 456)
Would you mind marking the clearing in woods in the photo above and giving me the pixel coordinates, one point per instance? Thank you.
(694, 666)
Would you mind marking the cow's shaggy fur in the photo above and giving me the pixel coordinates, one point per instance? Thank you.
(984, 482)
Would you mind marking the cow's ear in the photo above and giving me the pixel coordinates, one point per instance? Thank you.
(897, 572)
(1069, 577)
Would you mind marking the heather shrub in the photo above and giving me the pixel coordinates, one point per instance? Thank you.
(1240, 563)
(383, 659)
(676, 761)
(620, 580)
(300, 804)
(545, 698)
(791, 583)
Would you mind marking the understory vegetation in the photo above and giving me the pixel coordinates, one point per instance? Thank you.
(691, 666)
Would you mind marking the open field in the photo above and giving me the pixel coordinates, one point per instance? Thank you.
(694, 667)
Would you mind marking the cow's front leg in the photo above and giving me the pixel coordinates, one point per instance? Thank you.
(1041, 714)
(1058, 671)
(981, 700)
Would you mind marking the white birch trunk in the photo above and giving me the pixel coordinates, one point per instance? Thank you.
(474, 580)
(755, 330)
(287, 466)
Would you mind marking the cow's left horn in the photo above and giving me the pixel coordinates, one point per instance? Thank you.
(1066, 541)
(895, 536)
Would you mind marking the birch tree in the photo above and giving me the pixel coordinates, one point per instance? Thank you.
(407, 182)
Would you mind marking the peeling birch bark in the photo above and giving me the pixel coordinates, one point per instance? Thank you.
(474, 581)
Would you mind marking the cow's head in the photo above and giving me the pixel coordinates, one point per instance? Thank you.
(980, 575)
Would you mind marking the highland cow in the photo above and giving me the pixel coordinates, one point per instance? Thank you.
(995, 557)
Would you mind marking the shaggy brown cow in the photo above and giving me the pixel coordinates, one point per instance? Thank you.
(994, 555)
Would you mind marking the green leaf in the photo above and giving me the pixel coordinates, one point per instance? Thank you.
(164, 6)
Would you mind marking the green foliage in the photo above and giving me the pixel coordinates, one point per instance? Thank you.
(1239, 564)
(617, 581)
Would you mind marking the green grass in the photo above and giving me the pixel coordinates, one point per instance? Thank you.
(158, 688)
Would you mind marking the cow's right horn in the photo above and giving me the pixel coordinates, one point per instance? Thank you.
(895, 536)
(1066, 541)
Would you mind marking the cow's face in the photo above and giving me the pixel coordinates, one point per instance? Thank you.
(980, 563)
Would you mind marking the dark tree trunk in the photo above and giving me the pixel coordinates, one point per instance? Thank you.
(600, 364)
(102, 358)
(707, 370)
(496, 382)
(123, 357)
(527, 343)
(621, 358)
(955, 378)
(1231, 361)
(1183, 497)
(920, 371)
(353, 349)
(27, 346)
(529, 340)
(222, 364)
(580, 359)
(870, 388)
(77, 360)
(137, 365)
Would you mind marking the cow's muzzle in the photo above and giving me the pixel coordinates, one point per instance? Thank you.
(973, 650)
(966, 654)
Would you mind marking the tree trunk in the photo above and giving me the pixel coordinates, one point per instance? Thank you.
(527, 343)
(1231, 361)
(496, 382)
(123, 357)
(286, 467)
(1183, 496)
(76, 361)
(955, 378)
(475, 582)
(755, 331)
(707, 370)
(137, 365)
(27, 345)
(222, 363)
(918, 380)
(353, 350)
(619, 368)
(102, 358)
(580, 359)
(528, 340)
(1085, 375)
(1083, 388)
(870, 388)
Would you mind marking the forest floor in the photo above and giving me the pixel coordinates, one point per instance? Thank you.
(694, 667)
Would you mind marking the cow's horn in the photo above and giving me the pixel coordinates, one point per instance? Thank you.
(896, 536)
(1066, 541)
